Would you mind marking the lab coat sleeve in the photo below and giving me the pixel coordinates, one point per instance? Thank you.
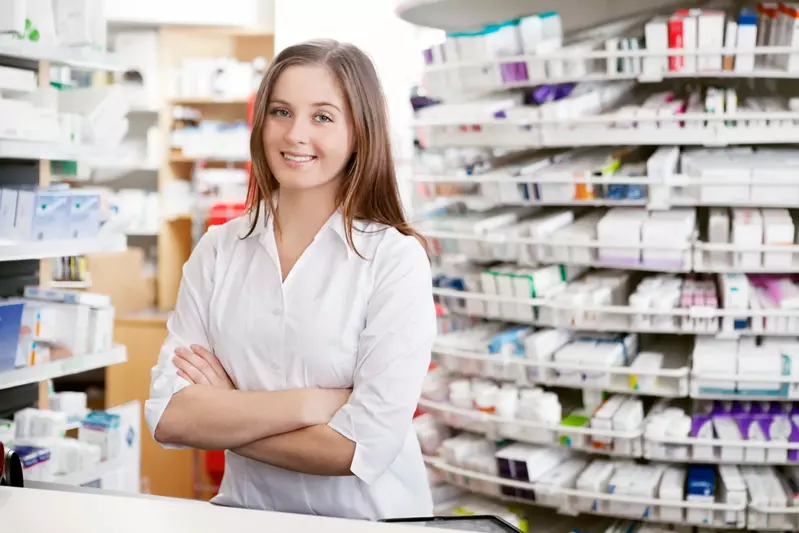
(393, 358)
(187, 325)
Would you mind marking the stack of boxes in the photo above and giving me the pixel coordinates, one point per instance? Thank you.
(48, 214)
(48, 325)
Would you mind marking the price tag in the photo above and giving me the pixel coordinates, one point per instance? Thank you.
(633, 382)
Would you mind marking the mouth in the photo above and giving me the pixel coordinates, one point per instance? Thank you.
(297, 158)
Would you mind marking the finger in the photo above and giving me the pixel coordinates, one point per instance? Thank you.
(197, 362)
(212, 359)
(193, 373)
(185, 376)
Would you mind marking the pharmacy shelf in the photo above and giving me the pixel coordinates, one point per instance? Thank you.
(718, 451)
(79, 59)
(667, 198)
(71, 285)
(698, 256)
(578, 438)
(662, 448)
(457, 78)
(460, 14)
(573, 501)
(669, 382)
(64, 367)
(24, 251)
(605, 76)
(675, 379)
(17, 149)
(495, 134)
(92, 473)
(694, 320)
(497, 245)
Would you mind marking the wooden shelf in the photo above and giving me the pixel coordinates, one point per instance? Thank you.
(176, 237)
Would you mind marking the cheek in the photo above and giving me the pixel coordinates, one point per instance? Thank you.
(336, 148)
(271, 134)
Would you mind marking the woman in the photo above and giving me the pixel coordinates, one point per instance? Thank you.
(302, 331)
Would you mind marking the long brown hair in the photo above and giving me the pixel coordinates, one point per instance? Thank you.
(368, 190)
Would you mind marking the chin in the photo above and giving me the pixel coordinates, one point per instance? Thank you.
(301, 182)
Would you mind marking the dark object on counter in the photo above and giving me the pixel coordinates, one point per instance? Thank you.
(478, 523)
(10, 468)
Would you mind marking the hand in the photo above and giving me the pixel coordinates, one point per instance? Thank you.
(322, 404)
(201, 367)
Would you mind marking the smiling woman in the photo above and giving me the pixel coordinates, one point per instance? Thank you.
(302, 331)
(307, 138)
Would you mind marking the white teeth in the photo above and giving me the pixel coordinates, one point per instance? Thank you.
(298, 158)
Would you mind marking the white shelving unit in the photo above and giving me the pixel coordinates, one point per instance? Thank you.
(26, 164)
(64, 367)
(79, 59)
(25, 251)
(466, 258)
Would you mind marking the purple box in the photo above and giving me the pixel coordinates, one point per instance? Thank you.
(513, 72)
(702, 427)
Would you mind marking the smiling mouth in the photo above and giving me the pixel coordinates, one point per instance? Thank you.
(297, 158)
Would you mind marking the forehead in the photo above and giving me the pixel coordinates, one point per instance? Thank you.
(308, 84)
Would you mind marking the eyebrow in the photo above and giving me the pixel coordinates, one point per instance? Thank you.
(315, 104)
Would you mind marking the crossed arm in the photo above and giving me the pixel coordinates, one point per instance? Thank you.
(287, 429)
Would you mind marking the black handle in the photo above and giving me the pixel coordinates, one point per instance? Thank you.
(12, 471)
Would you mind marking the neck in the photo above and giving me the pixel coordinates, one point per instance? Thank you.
(301, 213)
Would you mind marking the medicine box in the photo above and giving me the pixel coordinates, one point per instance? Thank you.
(102, 428)
(10, 325)
(700, 486)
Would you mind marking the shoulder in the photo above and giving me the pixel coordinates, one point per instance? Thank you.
(221, 239)
(387, 249)
(229, 233)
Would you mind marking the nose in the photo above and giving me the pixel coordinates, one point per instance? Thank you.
(298, 131)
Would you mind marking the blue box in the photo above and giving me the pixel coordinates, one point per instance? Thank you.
(701, 481)
(10, 324)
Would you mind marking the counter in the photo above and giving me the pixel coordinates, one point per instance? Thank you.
(39, 510)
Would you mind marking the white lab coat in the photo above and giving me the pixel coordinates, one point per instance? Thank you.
(338, 321)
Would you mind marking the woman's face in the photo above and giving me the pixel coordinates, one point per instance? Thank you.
(308, 131)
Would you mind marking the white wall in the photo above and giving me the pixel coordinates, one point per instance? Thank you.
(245, 13)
